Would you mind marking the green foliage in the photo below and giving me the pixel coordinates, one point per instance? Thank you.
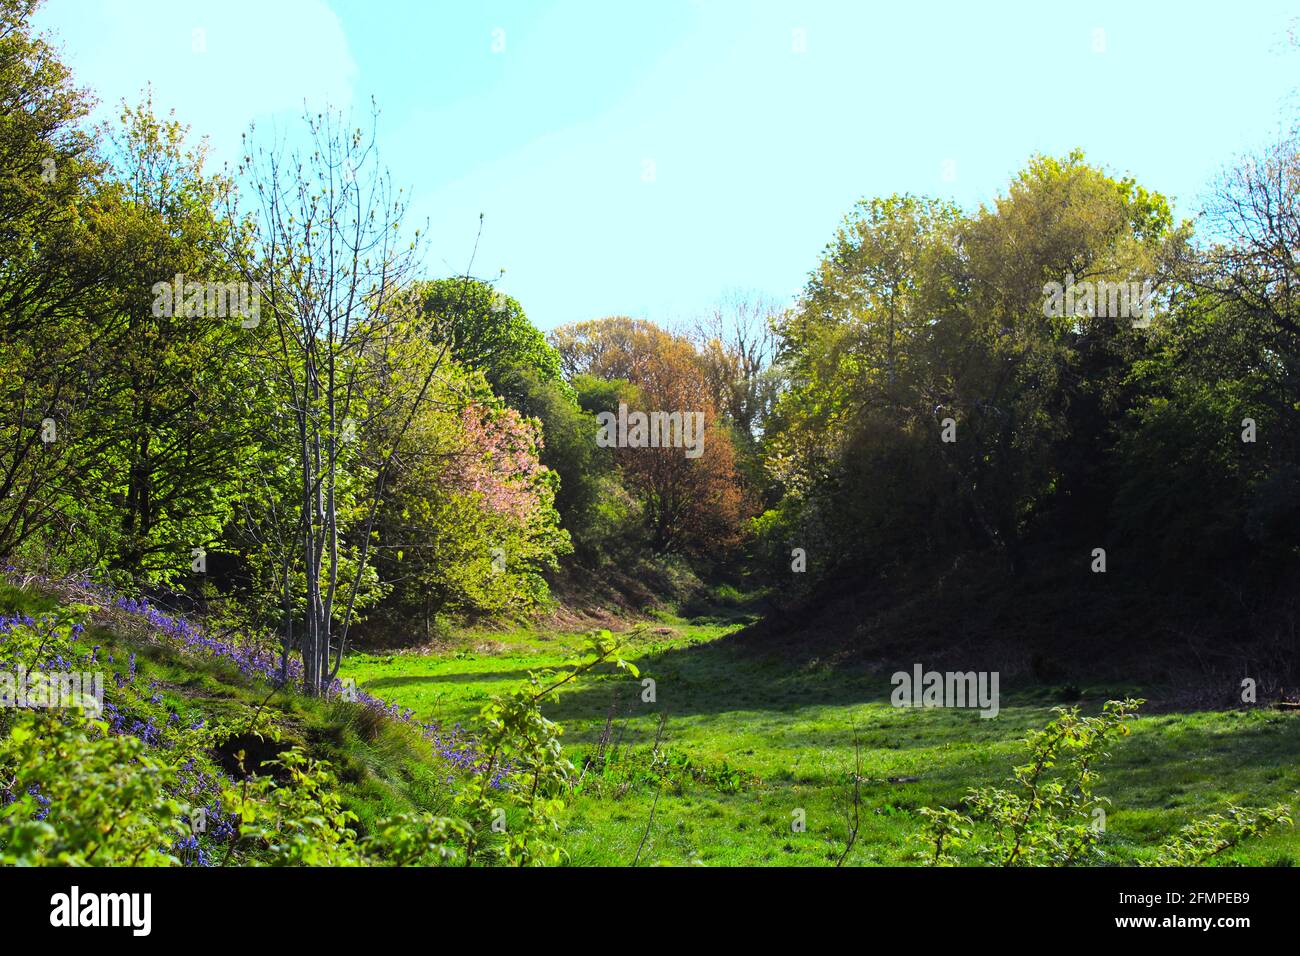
(301, 822)
(1191, 493)
(383, 444)
(1050, 822)
(297, 818)
(415, 839)
(108, 799)
(50, 307)
(1053, 817)
(780, 720)
(520, 740)
(181, 431)
(83, 793)
(658, 768)
(470, 521)
(569, 449)
(488, 331)
(919, 314)
(1200, 842)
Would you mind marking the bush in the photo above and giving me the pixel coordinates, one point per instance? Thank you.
(1054, 819)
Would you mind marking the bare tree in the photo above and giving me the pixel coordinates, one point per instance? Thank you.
(1255, 213)
(737, 345)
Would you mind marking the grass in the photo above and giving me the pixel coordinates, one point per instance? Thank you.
(384, 766)
(756, 739)
(787, 727)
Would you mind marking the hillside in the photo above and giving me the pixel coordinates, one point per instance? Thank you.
(165, 672)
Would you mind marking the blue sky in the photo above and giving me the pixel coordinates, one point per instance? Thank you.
(647, 158)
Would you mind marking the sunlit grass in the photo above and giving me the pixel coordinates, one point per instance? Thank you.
(790, 727)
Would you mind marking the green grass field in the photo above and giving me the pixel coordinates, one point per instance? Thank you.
(757, 737)
(754, 740)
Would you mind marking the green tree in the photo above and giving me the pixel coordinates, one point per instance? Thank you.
(176, 373)
(51, 264)
(490, 334)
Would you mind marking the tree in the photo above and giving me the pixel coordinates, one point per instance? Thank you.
(852, 441)
(51, 265)
(737, 346)
(469, 525)
(1207, 458)
(1254, 212)
(612, 347)
(176, 406)
(568, 448)
(930, 385)
(332, 265)
(495, 337)
(491, 334)
(688, 503)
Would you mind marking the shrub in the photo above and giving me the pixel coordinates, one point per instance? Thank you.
(1053, 818)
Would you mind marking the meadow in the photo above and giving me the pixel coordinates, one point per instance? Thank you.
(754, 738)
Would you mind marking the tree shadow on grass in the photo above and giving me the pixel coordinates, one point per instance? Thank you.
(722, 677)
(719, 677)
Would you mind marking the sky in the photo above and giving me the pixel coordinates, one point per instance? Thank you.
(648, 159)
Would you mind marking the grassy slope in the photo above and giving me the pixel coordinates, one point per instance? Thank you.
(385, 767)
(789, 722)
